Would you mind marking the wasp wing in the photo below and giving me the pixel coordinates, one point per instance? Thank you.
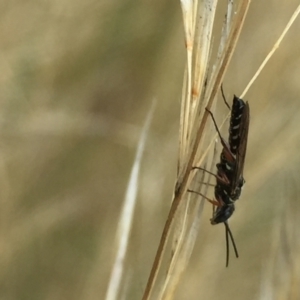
(242, 137)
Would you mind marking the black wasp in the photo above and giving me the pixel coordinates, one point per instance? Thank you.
(229, 177)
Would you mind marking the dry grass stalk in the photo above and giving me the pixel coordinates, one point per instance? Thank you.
(275, 47)
(267, 166)
(185, 236)
(127, 214)
(199, 91)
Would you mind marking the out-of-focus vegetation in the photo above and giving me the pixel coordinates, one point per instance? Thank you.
(77, 80)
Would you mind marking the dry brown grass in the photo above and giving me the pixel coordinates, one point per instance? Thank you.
(77, 80)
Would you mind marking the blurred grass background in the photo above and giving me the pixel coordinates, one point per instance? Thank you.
(77, 80)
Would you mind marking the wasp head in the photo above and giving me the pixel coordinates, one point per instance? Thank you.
(222, 214)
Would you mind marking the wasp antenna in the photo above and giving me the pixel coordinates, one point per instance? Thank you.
(227, 244)
(224, 98)
(228, 231)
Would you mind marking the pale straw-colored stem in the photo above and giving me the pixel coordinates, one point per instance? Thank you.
(125, 223)
(286, 29)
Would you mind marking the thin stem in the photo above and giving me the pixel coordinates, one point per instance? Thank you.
(276, 45)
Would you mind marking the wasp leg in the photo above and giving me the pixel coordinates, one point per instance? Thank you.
(213, 202)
